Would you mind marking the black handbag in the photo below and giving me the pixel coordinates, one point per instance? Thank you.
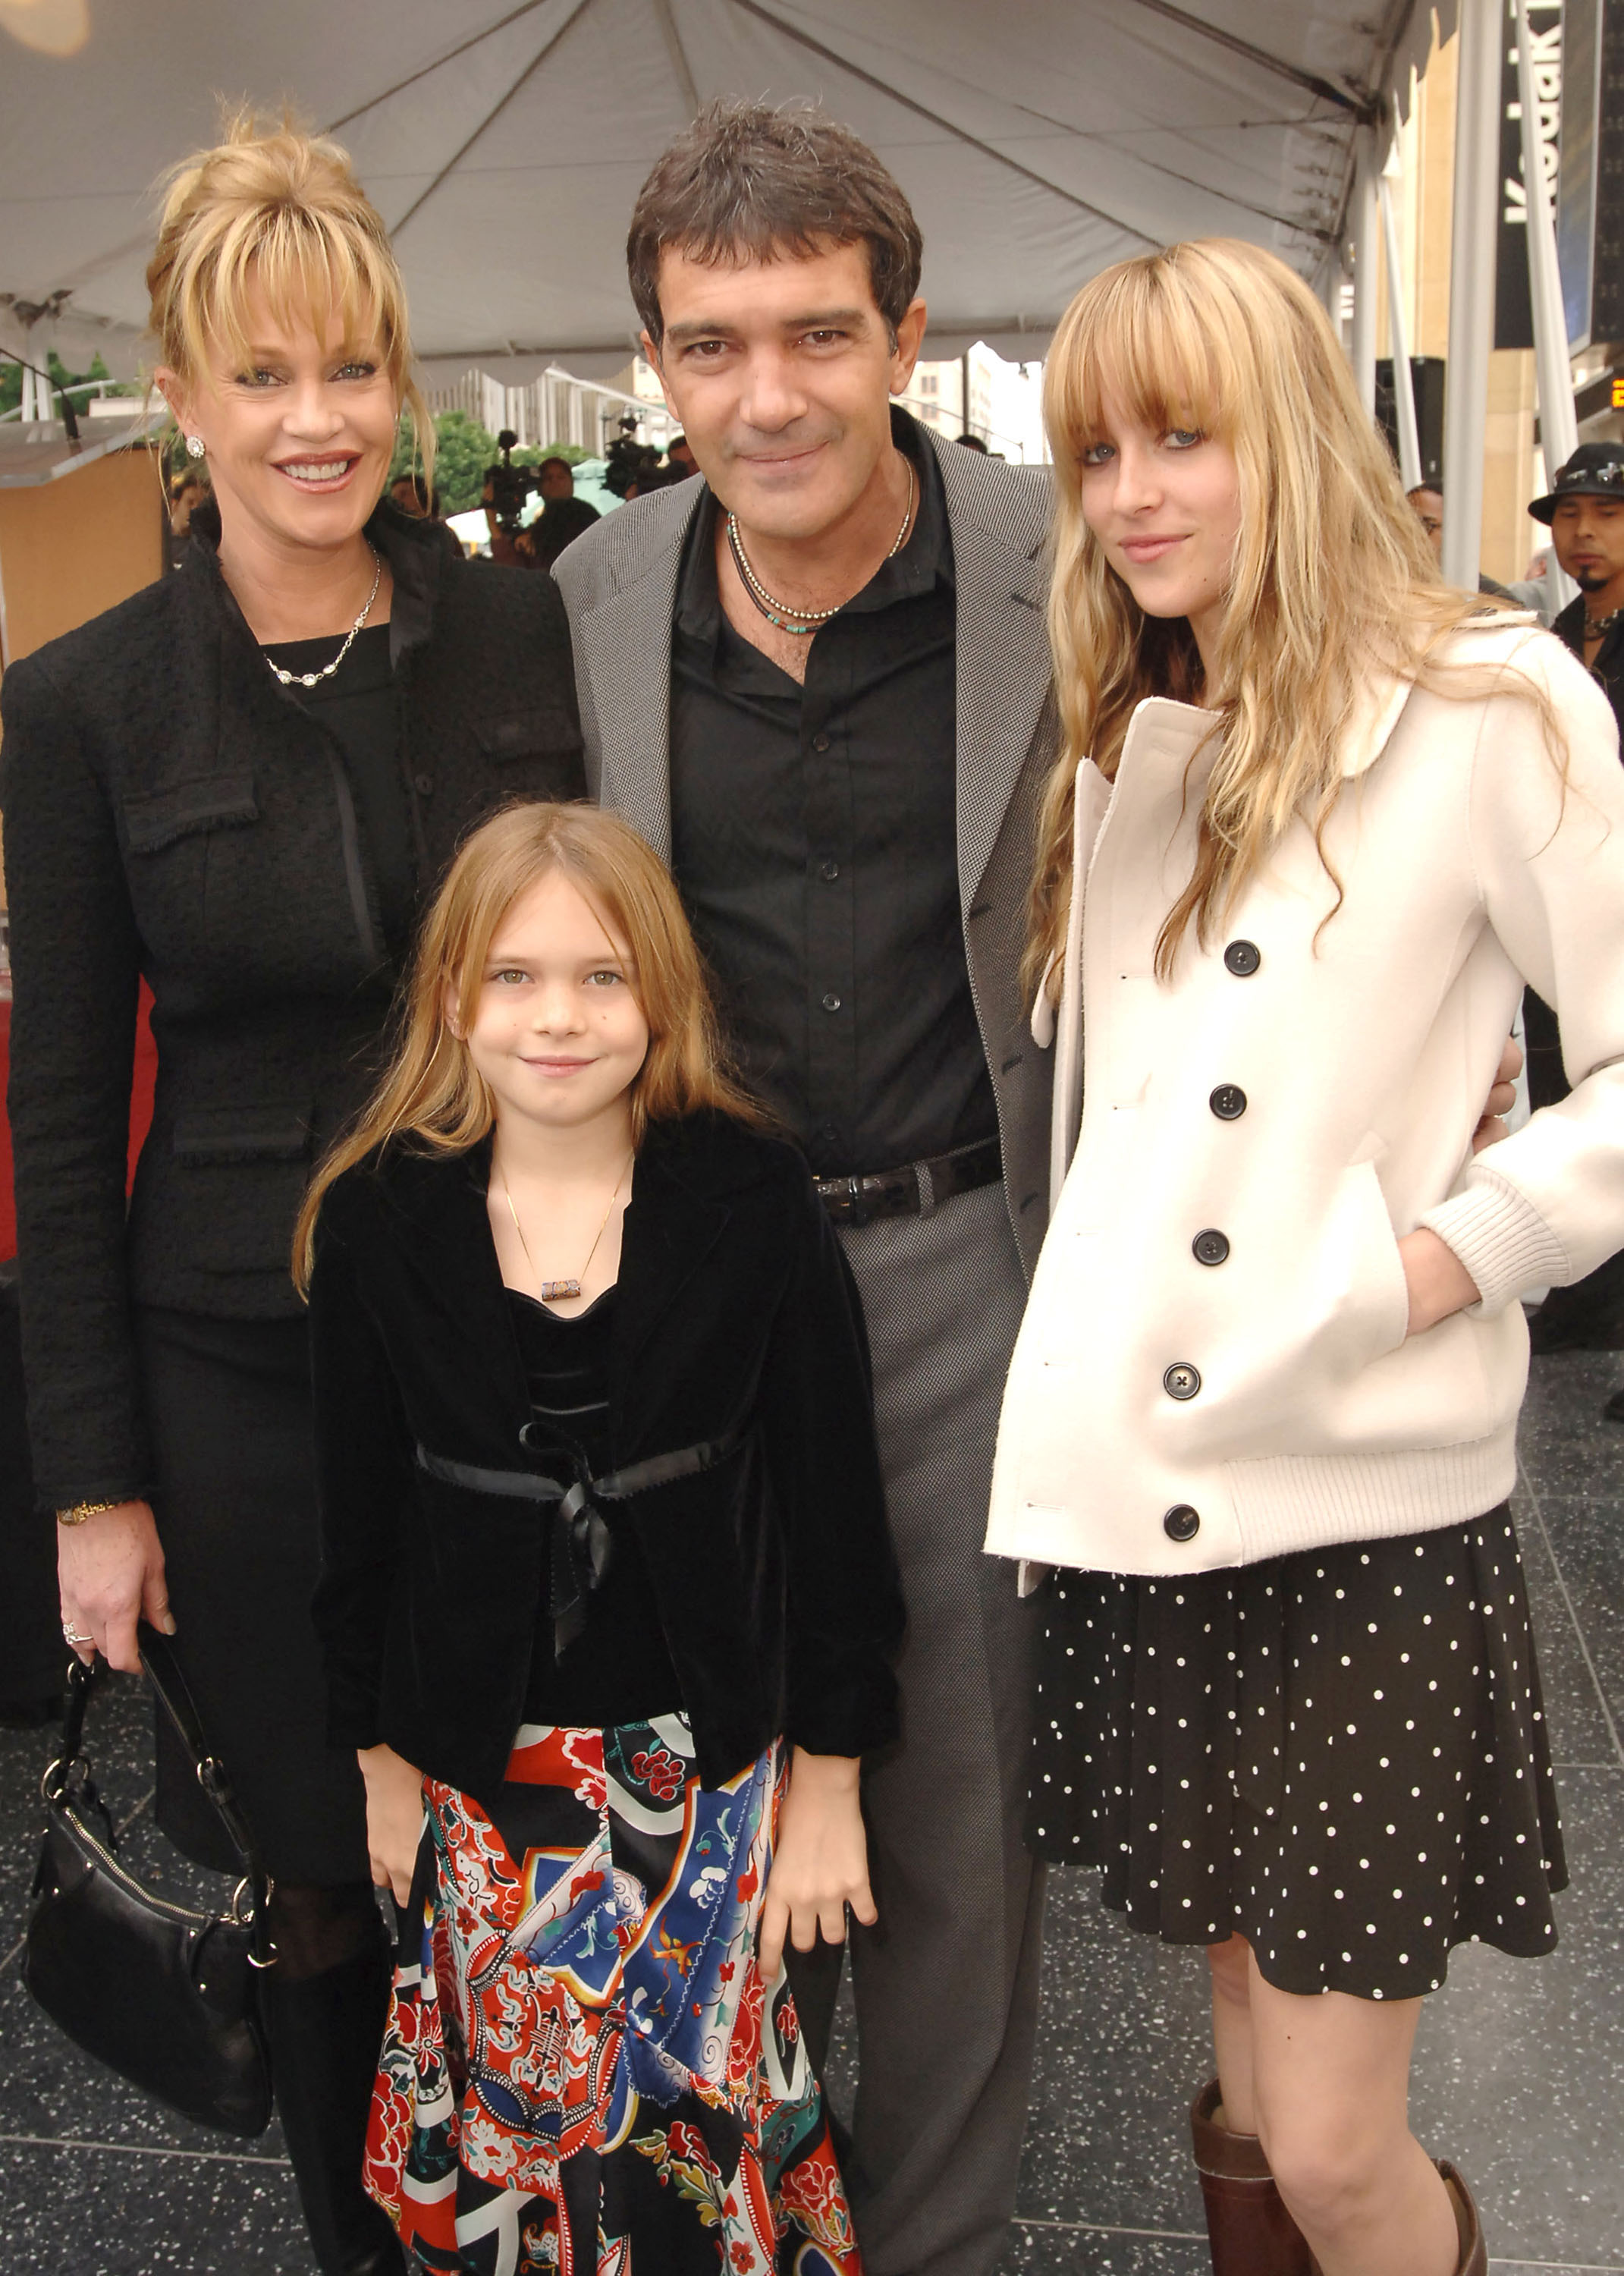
(162, 1994)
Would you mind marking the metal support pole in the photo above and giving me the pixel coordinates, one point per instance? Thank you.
(1397, 330)
(1363, 216)
(1471, 288)
(1559, 423)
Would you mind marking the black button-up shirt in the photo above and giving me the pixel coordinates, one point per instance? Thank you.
(1607, 666)
(814, 838)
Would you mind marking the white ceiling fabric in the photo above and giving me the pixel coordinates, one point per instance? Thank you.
(1038, 141)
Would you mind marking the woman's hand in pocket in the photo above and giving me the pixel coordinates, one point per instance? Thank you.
(821, 1861)
(1438, 1283)
(394, 1818)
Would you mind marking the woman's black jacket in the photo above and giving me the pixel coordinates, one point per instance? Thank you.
(736, 1325)
(171, 812)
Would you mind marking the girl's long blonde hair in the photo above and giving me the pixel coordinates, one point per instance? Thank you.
(279, 208)
(1331, 579)
(431, 1095)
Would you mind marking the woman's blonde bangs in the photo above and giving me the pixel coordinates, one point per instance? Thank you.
(278, 213)
(1128, 340)
(306, 269)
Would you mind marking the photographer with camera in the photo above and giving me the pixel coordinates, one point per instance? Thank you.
(562, 519)
(631, 468)
(504, 495)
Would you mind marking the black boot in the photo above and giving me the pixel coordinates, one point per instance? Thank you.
(324, 2033)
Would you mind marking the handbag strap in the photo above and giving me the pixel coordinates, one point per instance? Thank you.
(161, 1670)
(82, 1674)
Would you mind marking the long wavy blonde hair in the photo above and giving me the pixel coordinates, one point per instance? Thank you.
(274, 206)
(1331, 578)
(431, 1095)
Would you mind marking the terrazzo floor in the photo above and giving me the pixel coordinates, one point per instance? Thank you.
(1519, 2073)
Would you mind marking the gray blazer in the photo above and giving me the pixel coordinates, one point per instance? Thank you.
(620, 585)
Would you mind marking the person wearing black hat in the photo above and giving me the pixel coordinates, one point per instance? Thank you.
(1584, 509)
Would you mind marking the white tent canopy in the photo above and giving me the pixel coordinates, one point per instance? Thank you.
(504, 141)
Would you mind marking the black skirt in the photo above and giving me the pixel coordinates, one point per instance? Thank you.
(1341, 1755)
(229, 1416)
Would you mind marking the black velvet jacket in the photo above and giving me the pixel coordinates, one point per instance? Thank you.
(172, 813)
(736, 1323)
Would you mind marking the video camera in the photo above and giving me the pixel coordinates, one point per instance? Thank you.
(507, 486)
(628, 462)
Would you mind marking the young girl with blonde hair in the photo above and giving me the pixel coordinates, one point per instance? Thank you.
(607, 1590)
(1316, 818)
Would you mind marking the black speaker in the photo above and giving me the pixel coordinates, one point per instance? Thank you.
(1427, 380)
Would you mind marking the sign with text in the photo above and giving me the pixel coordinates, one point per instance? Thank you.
(1589, 222)
(1513, 311)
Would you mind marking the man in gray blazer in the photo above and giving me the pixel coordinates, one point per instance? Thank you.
(816, 680)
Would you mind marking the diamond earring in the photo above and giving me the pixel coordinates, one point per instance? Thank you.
(195, 446)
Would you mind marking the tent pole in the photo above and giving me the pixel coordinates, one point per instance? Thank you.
(1361, 350)
(1398, 329)
(1471, 288)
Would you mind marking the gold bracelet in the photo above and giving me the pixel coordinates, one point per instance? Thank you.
(81, 1510)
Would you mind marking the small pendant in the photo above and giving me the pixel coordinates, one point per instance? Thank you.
(551, 1290)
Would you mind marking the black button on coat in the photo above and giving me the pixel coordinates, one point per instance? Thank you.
(173, 813)
(735, 1313)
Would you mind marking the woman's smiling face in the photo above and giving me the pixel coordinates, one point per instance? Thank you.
(299, 432)
(1165, 504)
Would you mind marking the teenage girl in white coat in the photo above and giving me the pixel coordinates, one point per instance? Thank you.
(1317, 821)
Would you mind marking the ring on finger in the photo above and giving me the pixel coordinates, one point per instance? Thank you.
(71, 1635)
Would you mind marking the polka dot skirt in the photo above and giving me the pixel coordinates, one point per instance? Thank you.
(1340, 1754)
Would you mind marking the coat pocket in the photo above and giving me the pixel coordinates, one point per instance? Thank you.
(154, 819)
(545, 731)
(1377, 1313)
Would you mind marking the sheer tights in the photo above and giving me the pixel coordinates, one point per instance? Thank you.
(316, 1929)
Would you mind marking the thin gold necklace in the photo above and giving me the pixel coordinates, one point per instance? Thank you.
(779, 612)
(552, 1291)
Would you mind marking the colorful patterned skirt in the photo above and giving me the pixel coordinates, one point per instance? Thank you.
(583, 2072)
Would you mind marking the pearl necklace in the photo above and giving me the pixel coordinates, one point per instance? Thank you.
(779, 612)
(312, 679)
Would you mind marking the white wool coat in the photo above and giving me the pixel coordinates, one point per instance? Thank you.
(1213, 1368)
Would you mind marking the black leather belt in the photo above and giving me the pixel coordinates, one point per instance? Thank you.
(914, 1190)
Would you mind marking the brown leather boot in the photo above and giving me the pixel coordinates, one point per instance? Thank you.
(1474, 2252)
(1250, 2232)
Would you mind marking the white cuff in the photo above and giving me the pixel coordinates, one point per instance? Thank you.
(1500, 1238)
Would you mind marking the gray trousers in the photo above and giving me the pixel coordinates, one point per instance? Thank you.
(946, 1985)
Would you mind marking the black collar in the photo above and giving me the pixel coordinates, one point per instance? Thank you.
(412, 548)
(924, 562)
(686, 1174)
